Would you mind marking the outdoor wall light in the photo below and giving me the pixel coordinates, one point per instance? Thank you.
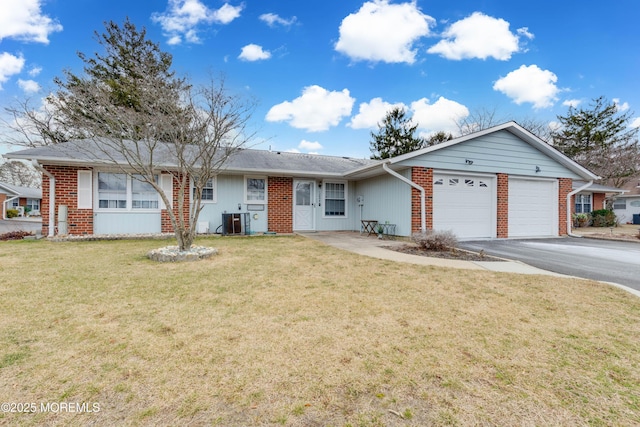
(538, 169)
(469, 162)
(239, 206)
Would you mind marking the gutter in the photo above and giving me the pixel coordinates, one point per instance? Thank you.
(423, 214)
(4, 206)
(52, 196)
(571, 194)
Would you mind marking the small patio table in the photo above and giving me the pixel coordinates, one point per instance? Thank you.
(368, 226)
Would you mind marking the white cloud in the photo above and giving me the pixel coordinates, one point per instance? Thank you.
(620, 107)
(23, 20)
(385, 32)
(315, 110)
(9, 66)
(635, 123)
(35, 71)
(442, 115)
(479, 36)
(182, 18)
(372, 113)
(310, 146)
(273, 20)
(573, 103)
(29, 86)
(253, 52)
(529, 84)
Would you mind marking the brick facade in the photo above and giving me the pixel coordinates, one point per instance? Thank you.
(502, 213)
(79, 221)
(165, 219)
(564, 188)
(424, 178)
(280, 204)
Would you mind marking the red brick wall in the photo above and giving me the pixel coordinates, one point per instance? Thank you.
(79, 221)
(165, 220)
(564, 188)
(424, 178)
(502, 231)
(597, 201)
(3, 197)
(280, 204)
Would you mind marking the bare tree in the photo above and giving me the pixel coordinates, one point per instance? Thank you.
(484, 118)
(19, 173)
(134, 113)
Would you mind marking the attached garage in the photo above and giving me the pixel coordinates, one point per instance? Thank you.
(464, 204)
(533, 207)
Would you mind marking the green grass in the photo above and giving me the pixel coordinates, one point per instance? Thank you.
(287, 331)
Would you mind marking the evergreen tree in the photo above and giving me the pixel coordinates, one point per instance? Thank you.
(395, 136)
(600, 138)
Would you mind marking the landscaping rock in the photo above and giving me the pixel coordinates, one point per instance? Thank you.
(173, 254)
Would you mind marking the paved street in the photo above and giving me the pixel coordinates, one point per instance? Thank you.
(604, 260)
(8, 225)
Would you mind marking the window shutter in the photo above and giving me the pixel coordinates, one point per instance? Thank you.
(166, 182)
(85, 190)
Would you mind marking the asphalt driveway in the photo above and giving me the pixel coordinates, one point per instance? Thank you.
(604, 260)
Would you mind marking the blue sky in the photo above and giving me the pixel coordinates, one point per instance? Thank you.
(325, 72)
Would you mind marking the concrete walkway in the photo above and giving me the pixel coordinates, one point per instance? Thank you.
(373, 247)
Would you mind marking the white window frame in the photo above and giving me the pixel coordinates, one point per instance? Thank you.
(214, 188)
(619, 202)
(582, 203)
(266, 190)
(324, 198)
(128, 194)
(151, 191)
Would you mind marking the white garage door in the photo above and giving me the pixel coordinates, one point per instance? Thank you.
(533, 208)
(465, 205)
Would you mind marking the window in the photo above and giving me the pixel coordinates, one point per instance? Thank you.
(620, 204)
(439, 181)
(583, 203)
(453, 182)
(208, 191)
(482, 184)
(255, 190)
(335, 199)
(33, 204)
(143, 195)
(126, 192)
(468, 182)
(112, 190)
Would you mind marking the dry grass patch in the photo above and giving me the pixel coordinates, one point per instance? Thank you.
(287, 331)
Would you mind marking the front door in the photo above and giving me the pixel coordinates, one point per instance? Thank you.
(303, 206)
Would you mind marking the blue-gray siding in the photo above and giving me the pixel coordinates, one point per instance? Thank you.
(498, 152)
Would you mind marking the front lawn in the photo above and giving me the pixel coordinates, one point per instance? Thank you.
(287, 331)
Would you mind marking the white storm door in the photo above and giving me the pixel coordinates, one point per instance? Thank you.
(303, 206)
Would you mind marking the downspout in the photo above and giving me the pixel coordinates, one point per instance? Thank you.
(423, 214)
(52, 196)
(4, 206)
(569, 196)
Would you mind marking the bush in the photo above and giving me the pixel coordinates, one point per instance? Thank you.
(432, 240)
(581, 220)
(12, 213)
(603, 218)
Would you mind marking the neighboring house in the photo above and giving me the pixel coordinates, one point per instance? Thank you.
(594, 197)
(498, 183)
(627, 206)
(23, 199)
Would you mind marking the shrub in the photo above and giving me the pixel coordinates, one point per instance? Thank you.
(12, 213)
(581, 219)
(435, 240)
(15, 235)
(603, 218)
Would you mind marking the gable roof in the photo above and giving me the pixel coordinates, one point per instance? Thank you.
(16, 190)
(511, 127)
(85, 152)
(598, 188)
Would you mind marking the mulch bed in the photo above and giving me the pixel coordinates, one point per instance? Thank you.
(458, 254)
